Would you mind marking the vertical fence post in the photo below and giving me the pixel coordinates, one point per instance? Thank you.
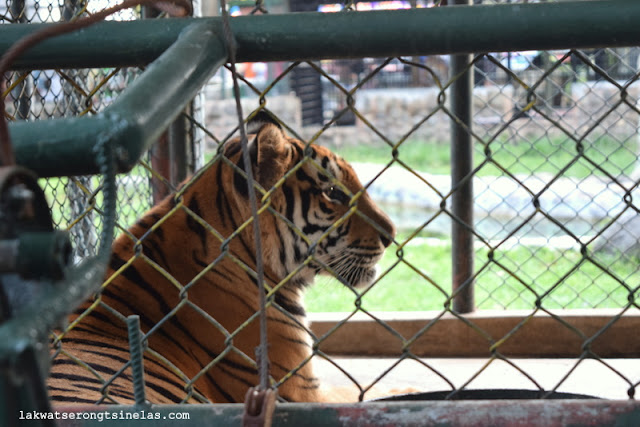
(169, 156)
(461, 166)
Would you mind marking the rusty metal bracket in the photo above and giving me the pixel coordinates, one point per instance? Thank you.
(259, 406)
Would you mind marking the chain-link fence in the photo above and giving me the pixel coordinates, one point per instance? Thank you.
(553, 222)
(47, 94)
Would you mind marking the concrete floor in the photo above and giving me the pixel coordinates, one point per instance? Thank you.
(611, 378)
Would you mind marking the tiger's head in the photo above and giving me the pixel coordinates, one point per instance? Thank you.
(320, 215)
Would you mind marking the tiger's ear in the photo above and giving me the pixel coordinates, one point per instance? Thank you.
(268, 154)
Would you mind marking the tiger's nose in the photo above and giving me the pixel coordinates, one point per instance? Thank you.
(388, 230)
(386, 241)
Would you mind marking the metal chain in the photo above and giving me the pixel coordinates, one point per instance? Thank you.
(262, 354)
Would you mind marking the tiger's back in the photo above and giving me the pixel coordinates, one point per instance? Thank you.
(189, 274)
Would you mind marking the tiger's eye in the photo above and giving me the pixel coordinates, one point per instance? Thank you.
(336, 195)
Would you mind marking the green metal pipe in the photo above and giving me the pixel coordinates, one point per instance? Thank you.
(300, 36)
(106, 44)
(134, 121)
(462, 250)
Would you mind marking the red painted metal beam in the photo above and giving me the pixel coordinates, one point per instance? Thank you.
(547, 413)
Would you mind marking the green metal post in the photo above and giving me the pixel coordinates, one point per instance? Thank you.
(134, 121)
(461, 184)
(168, 155)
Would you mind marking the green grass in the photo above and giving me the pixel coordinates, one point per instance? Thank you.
(133, 200)
(421, 280)
(543, 154)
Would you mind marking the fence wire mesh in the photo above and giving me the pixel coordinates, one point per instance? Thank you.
(556, 169)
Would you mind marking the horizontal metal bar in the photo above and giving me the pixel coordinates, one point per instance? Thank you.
(548, 413)
(134, 121)
(542, 335)
(106, 44)
(446, 30)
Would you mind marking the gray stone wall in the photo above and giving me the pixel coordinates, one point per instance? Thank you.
(221, 117)
(593, 109)
(395, 113)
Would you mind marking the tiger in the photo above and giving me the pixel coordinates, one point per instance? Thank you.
(190, 277)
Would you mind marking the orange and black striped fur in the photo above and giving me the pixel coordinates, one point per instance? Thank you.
(174, 271)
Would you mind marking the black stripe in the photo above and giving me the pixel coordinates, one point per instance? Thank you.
(109, 356)
(163, 392)
(72, 377)
(74, 399)
(297, 254)
(159, 233)
(283, 256)
(116, 262)
(163, 378)
(304, 177)
(195, 226)
(310, 387)
(143, 224)
(232, 148)
(234, 226)
(151, 247)
(220, 202)
(322, 177)
(310, 228)
(290, 201)
(325, 163)
(132, 274)
(230, 293)
(50, 387)
(198, 261)
(91, 343)
(224, 394)
(333, 238)
(297, 374)
(120, 393)
(95, 330)
(305, 204)
(144, 320)
(299, 150)
(288, 305)
(288, 322)
(324, 208)
(103, 369)
(84, 386)
(295, 341)
(240, 182)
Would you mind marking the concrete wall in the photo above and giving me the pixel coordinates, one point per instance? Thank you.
(396, 112)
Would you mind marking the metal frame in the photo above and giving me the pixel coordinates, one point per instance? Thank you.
(496, 413)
